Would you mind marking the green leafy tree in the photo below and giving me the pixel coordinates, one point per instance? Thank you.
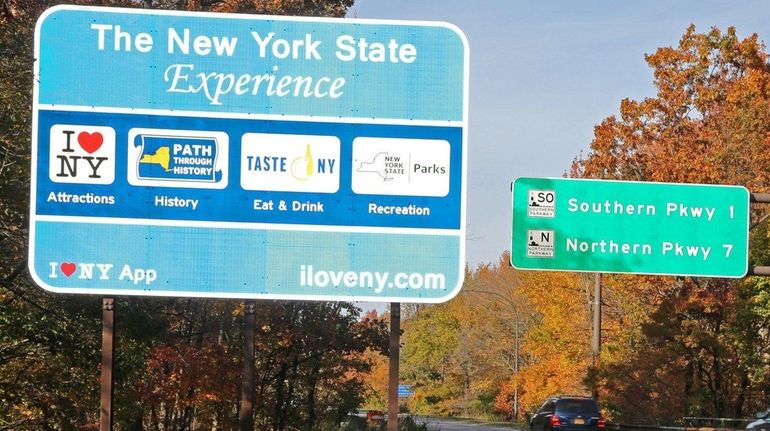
(430, 339)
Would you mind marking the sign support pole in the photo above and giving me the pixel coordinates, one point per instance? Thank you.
(246, 412)
(516, 371)
(108, 350)
(597, 339)
(761, 198)
(395, 344)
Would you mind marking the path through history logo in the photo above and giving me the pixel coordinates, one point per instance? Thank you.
(177, 158)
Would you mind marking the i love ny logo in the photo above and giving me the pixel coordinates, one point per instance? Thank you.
(87, 271)
(67, 268)
(82, 154)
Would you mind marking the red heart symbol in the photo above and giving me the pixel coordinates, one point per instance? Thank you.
(67, 268)
(90, 141)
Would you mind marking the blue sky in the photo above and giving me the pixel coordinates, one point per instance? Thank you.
(544, 73)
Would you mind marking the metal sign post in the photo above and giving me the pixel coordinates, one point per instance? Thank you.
(395, 346)
(596, 344)
(108, 350)
(246, 412)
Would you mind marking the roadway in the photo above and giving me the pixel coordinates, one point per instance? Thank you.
(435, 424)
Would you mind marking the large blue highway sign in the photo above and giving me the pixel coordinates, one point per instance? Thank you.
(215, 155)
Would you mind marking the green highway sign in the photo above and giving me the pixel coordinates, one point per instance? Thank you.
(630, 227)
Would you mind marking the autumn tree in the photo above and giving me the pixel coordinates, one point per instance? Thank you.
(708, 123)
(500, 317)
(557, 341)
(309, 360)
(671, 346)
(463, 356)
(457, 354)
(376, 377)
(429, 340)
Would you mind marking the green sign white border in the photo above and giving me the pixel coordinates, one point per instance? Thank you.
(653, 183)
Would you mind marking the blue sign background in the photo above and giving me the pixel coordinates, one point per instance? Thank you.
(430, 88)
(111, 234)
(236, 204)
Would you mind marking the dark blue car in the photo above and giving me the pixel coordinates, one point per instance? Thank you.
(568, 413)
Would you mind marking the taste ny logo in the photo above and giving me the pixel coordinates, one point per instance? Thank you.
(81, 154)
(290, 163)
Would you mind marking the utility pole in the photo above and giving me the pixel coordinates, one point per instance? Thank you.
(246, 411)
(395, 345)
(108, 350)
(597, 339)
(516, 370)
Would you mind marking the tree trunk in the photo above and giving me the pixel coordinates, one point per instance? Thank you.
(311, 414)
(279, 416)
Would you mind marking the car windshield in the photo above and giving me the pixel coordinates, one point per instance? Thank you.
(577, 406)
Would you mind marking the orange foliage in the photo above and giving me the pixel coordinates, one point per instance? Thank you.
(184, 376)
(559, 342)
(376, 377)
(334, 8)
(709, 122)
(671, 346)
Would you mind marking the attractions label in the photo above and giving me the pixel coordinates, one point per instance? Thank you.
(221, 155)
(630, 227)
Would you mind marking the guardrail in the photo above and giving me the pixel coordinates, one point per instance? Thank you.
(631, 427)
(692, 423)
(717, 422)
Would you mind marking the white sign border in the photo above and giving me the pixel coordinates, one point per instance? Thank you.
(36, 107)
(748, 224)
